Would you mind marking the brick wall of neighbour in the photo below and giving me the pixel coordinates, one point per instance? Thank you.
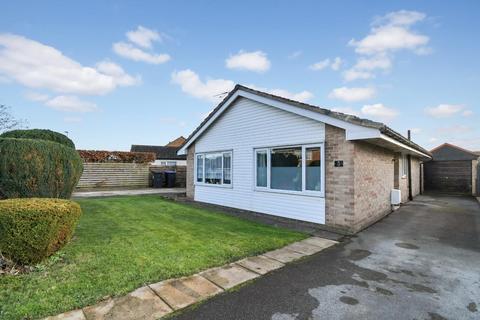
(190, 182)
(374, 180)
(339, 181)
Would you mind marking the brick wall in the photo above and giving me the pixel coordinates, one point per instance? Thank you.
(374, 180)
(339, 181)
(190, 182)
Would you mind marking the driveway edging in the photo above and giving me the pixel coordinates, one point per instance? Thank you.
(165, 297)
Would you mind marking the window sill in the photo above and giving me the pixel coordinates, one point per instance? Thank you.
(224, 186)
(314, 194)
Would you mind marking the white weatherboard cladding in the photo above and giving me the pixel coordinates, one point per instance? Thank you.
(248, 125)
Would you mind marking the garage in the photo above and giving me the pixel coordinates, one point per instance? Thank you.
(451, 170)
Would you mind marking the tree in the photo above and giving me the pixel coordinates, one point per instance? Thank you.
(7, 121)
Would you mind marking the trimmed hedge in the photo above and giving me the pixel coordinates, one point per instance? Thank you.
(37, 168)
(41, 134)
(96, 156)
(33, 229)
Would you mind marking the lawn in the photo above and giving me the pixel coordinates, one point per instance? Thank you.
(122, 243)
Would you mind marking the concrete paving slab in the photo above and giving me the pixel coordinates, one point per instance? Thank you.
(319, 242)
(284, 255)
(228, 276)
(142, 303)
(260, 264)
(304, 247)
(180, 293)
(72, 315)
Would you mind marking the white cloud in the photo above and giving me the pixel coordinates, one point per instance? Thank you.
(467, 113)
(253, 61)
(375, 62)
(391, 33)
(444, 110)
(379, 111)
(400, 18)
(70, 104)
(320, 65)
(214, 90)
(388, 34)
(352, 94)
(36, 65)
(143, 37)
(347, 110)
(36, 96)
(128, 51)
(302, 96)
(334, 65)
(120, 77)
(295, 54)
(209, 90)
(353, 74)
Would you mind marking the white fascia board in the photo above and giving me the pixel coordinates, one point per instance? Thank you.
(404, 146)
(352, 130)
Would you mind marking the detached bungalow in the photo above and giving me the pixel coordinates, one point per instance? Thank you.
(264, 153)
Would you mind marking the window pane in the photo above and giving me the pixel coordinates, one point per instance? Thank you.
(312, 170)
(227, 168)
(261, 169)
(213, 168)
(199, 168)
(286, 169)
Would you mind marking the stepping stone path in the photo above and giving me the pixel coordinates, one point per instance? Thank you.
(159, 299)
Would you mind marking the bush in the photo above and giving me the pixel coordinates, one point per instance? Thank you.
(116, 156)
(37, 168)
(33, 229)
(41, 134)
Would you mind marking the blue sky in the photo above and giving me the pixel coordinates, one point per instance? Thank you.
(117, 73)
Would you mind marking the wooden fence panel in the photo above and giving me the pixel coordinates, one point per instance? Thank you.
(114, 175)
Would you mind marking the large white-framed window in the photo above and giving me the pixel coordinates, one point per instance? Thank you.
(298, 169)
(214, 168)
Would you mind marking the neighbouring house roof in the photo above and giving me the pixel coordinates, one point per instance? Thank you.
(177, 142)
(239, 90)
(161, 152)
(448, 151)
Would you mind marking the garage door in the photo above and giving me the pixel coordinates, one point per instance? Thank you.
(448, 176)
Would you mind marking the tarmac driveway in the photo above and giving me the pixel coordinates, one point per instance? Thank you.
(421, 262)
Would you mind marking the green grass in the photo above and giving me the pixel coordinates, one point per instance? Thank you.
(122, 243)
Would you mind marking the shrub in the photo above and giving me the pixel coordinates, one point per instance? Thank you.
(33, 229)
(41, 134)
(37, 168)
(116, 156)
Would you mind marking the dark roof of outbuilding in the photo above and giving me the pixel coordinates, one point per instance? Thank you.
(338, 115)
(448, 151)
(161, 152)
